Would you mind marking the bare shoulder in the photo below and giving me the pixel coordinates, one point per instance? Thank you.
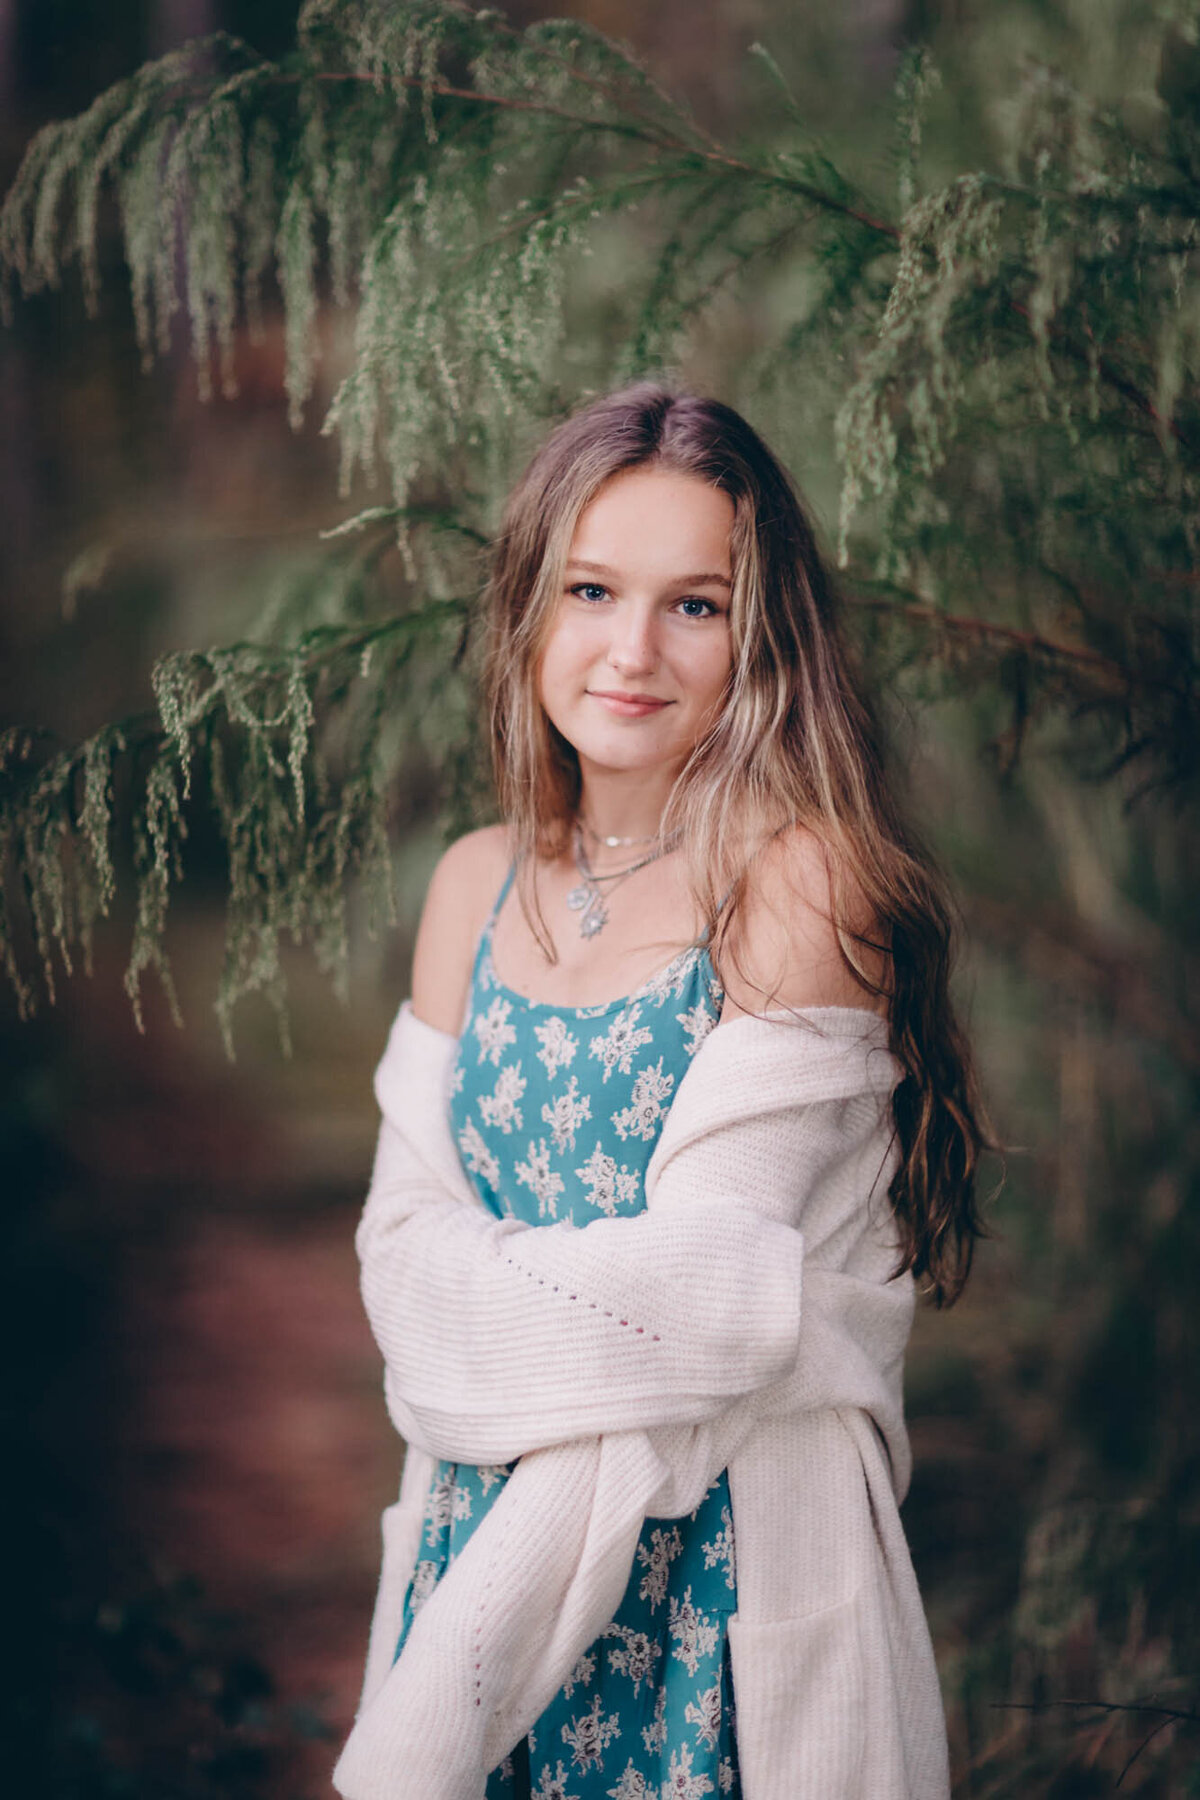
(461, 890)
(783, 947)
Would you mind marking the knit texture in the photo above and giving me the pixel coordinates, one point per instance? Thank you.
(623, 1397)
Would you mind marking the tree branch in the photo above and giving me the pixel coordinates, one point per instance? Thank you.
(646, 133)
(1006, 636)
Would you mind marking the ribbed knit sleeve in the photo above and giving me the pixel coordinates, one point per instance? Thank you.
(500, 1337)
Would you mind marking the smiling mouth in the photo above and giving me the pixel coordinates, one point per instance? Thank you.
(628, 699)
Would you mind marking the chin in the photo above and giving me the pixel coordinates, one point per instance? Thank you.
(628, 759)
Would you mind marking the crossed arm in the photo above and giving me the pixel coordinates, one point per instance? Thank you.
(500, 1338)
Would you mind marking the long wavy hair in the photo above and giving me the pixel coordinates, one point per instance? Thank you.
(794, 742)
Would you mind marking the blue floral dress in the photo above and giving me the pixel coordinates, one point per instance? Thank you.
(556, 1111)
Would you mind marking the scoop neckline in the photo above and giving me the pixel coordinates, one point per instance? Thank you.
(691, 952)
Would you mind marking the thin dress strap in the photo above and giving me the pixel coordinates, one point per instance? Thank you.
(483, 949)
(706, 934)
(500, 899)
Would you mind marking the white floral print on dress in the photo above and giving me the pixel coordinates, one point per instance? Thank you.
(681, 1784)
(704, 1712)
(669, 983)
(633, 1786)
(445, 1502)
(635, 1656)
(477, 1156)
(654, 1735)
(640, 1118)
(588, 1736)
(540, 1179)
(618, 1046)
(500, 1108)
(721, 1550)
(558, 1045)
(694, 1632)
(494, 1032)
(610, 1186)
(665, 1546)
(725, 1774)
(424, 1580)
(566, 1114)
(581, 1674)
(697, 1021)
(553, 1785)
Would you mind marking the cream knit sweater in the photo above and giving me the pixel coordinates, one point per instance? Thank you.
(626, 1363)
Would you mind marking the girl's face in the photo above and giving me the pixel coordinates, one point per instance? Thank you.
(639, 652)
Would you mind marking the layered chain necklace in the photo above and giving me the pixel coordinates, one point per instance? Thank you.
(589, 898)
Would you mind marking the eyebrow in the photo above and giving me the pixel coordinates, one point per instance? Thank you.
(705, 579)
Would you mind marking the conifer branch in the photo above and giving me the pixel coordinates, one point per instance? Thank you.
(1007, 637)
(636, 129)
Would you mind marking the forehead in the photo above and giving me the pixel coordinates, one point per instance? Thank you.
(656, 522)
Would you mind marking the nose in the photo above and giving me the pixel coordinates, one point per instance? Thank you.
(633, 647)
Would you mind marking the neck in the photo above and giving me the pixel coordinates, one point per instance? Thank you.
(624, 805)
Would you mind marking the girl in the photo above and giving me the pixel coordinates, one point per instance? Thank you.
(642, 1268)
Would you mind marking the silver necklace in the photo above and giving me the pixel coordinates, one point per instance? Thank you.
(588, 899)
(616, 843)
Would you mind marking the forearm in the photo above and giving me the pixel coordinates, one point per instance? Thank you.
(500, 1338)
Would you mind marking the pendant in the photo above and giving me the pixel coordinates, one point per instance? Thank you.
(578, 898)
(593, 920)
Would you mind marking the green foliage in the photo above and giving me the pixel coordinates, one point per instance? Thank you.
(1015, 357)
(297, 750)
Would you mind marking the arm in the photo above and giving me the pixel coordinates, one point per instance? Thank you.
(500, 1337)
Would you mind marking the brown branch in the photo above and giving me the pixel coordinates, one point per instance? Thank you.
(1144, 1745)
(1166, 1716)
(647, 133)
(1032, 643)
(1112, 378)
(1169, 1713)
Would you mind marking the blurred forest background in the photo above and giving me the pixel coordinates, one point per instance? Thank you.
(197, 1445)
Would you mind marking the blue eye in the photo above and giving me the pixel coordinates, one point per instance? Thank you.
(697, 600)
(590, 591)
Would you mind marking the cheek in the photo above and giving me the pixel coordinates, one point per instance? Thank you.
(553, 667)
(718, 670)
(567, 650)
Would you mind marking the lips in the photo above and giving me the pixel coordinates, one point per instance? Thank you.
(629, 705)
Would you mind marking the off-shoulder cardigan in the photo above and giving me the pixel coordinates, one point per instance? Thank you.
(748, 1319)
